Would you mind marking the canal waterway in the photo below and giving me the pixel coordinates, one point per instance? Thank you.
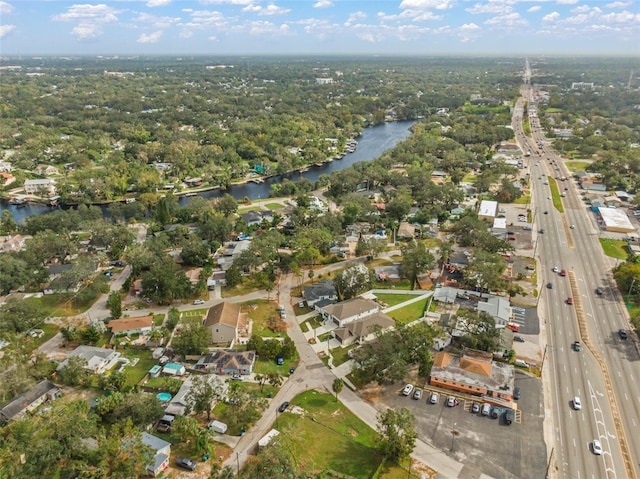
(373, 142)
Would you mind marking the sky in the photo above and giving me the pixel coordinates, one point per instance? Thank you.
(295, 27)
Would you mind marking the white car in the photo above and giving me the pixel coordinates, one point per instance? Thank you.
(556, 269)
(597, 447)
(435, 397)
(577, 404)
(198, 301)
(451, 401)
(407, 390)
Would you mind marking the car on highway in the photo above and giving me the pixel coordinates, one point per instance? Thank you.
(577, 346)
(417, 394)
(572, 227)
(549, 285)
(186, 463)
(577, 404)
(518, 339)
(283, 407)
(597, 447)
(541, 231)
(408, 389)
(569, 300)
(556, 269)
(546, 212)
(622, 334)
(563, 272)
(599, 291)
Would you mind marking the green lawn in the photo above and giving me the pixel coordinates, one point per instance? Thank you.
(392, 299)
(158, 320)
(409, 313)
(341, 441)
(341, 355)
(577, 165)
(523, 200)
(134, 374)
(469, 178)
(402, 284)
(614, 248)
(274, 206)
(267, 366)
(260, 310)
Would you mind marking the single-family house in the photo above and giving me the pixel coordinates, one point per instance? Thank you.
(388, 273)
(498, 308)
(406, 231)
(41, 186)
(98, 360)
(348, 311)
(5, 166)
(46, 170)
(6, 178)
(363, 329)
(13, 242)
(255, 218)
(474, 373)
(161, 451)
(228, 361)
(135, 325)
(228, 324)
(179, 403)
(193, 275)
(320, 291)
(192, 182)
(612, 201)
(229, 252)
(29, 400)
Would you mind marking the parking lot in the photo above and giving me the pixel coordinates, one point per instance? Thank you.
(482, 444)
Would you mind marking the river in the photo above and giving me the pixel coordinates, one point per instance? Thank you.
(373, 142)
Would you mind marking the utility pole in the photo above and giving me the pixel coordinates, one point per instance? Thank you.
(546, 474)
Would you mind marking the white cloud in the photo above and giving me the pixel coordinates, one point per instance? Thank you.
(567, 2)
(226, 2)
(617, 4)
(493, 6)
(157, 3)
(427, 4)
(581, 9)
(212, 38)
(6, 30)
(508, 20)
(355, 17)
(267, 28)
(410, 15)
(99, 13)
(5, 8)
(323, 4)
(150, 38)
(87, 31)
(155, 21)
(535, 8)
(551, 17)
(269, 10)
(469, 32)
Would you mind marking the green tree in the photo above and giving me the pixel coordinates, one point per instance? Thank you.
(233, 277)
(201, 396)
(227, 205)
(397, 434)
(173, 318)
(338, 385)
(114, 303)
(480, 330)
(352, 281)
(486, 270)
(416, 259)
(75, 372)
(194, 337)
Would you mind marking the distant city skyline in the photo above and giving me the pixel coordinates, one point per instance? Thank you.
(281, 27)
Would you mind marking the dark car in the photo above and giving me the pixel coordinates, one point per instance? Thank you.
(516, 393)
(549, 285)
(546, 212)
(541, 231)
(623, 334)
(283, 407)
(518, 339)
(599, 291)
(186, 463)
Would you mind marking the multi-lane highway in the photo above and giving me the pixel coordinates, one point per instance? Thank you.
(605, 374)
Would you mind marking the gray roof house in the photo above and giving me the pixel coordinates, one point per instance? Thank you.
(228, 361)
(254, 217)
(29, 400)
(323, 290)
(362, 330)
(179, 402)
(98, 360)
(161, 450)
(348, 311)
(498, 308)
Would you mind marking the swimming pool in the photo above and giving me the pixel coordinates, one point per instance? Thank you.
(164, 397)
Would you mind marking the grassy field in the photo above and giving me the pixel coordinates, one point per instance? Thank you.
(59, 305)
(409, 313)
(274, 206)
(614, 248)
(523, 200)
(393, 299)
(577, 165)
(260, 310)
(469, 178)
(341, 355)
(134, 374)
(402, 284)
(342, 442)
(555, 195)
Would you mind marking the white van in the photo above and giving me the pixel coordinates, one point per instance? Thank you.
(521, 363)
(486, 409)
